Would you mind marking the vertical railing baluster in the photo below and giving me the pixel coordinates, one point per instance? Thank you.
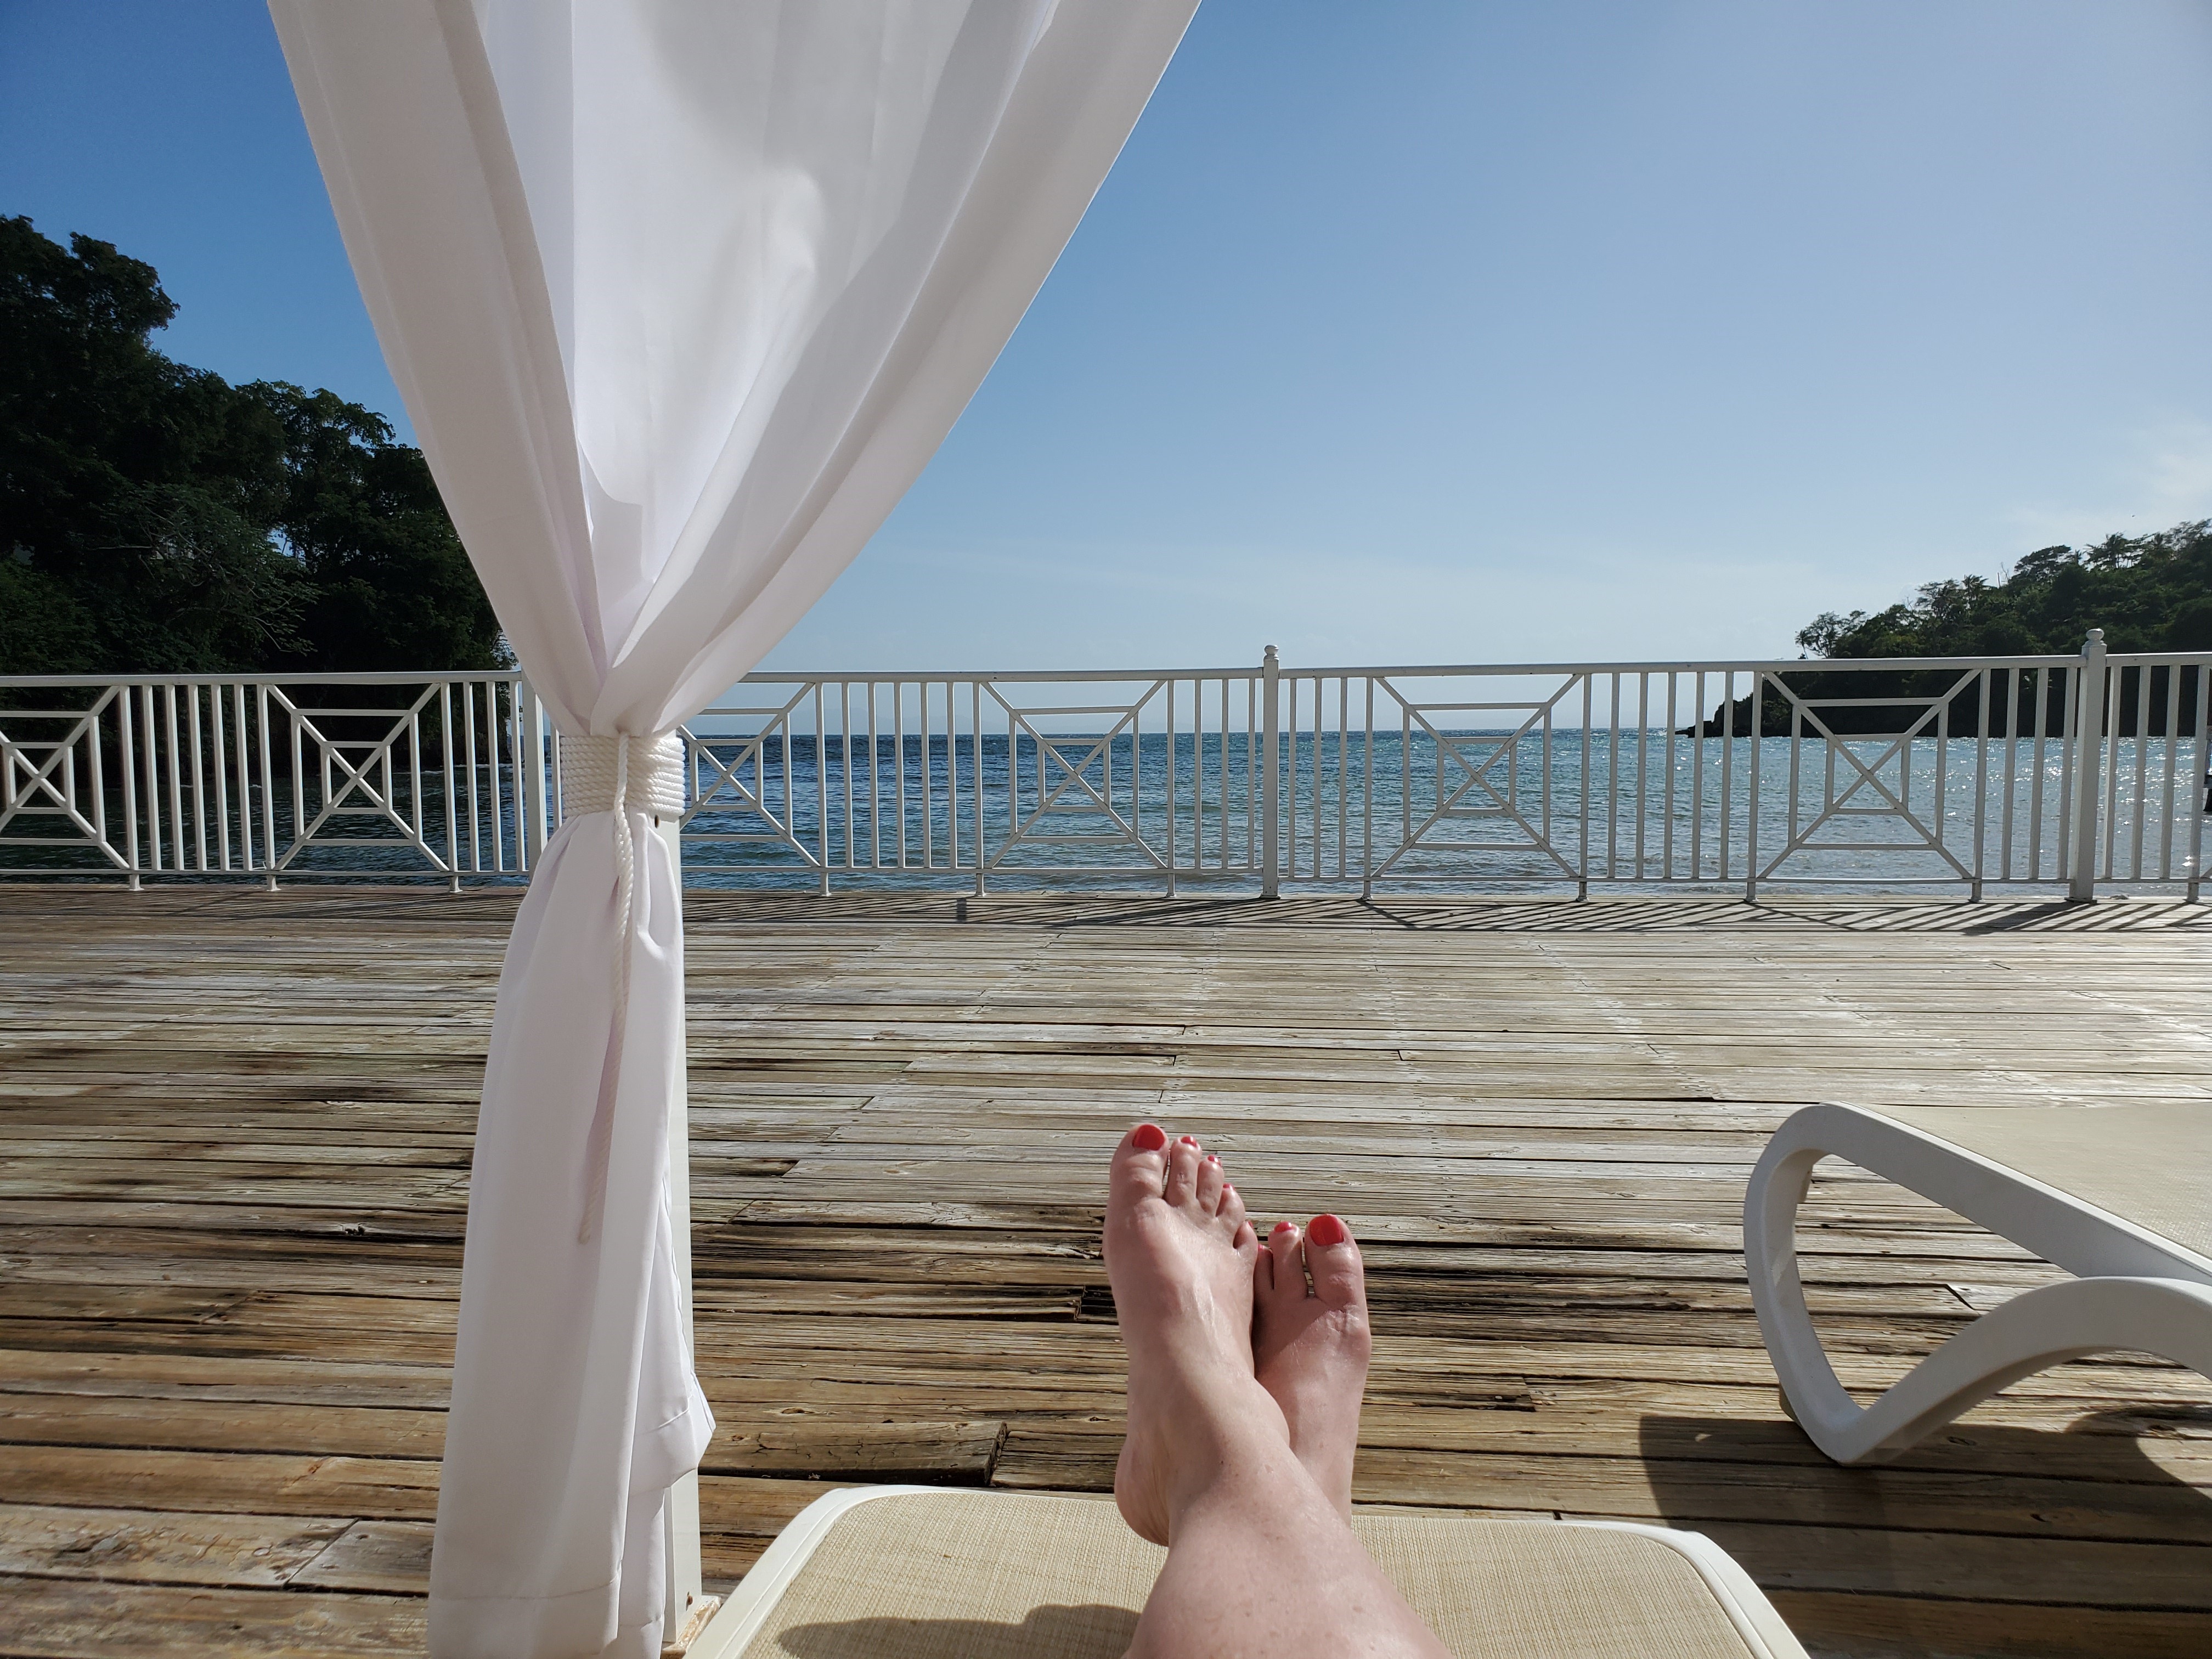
(450, 786)
(199, 783)
(1583, 864)
(220, 771)
(1673, 766)
(1170, 782)
(1940, 804)
(2114, 680)
(126, 742)
(1727, 766)
(1698, 781)
(898, 772)
(1643, 765)
(822, 785)
(1291, 765)
(1980, 781)
(267, 782)
(2086, 750)
(468, 739)
(1613, 778)
(173, 752)
(975, 753)
(2035, 813)
(96, 768)
(2012, 683)
(1367, 801)
(2140, 802)
(1753, 803)
(2172, 771)
(1270, 784)
(1797, 776)
(2200, 780)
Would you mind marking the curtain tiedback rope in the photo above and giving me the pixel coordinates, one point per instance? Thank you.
(618, 775)
(681, 296)
(593, 770)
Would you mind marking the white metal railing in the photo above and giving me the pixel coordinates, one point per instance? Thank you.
(1594, 775)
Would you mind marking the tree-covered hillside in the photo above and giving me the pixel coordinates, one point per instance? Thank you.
(2146, 593)
(2149, 593)
(155, 518)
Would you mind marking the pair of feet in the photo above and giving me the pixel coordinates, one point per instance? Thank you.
(1230, 1336)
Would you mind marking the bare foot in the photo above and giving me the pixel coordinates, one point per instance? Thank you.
(1309, 1346)
(1181, 1255)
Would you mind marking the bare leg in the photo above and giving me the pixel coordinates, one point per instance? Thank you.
(1259, 1560)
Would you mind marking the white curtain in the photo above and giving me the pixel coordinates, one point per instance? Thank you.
(681, 295)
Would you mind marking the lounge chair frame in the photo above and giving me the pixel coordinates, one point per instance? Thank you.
(2134, 1290)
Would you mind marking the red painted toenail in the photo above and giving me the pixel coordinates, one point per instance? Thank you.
(1149, 1137)
(1286, 1226)
(1212, 1158)
(1327, 1230)
(1190, 1140)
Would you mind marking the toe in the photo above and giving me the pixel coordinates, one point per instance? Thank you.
(1246, 1244)
(1141, 1163)
(1211, 1182)
(1231, 1210)
(1288, 1280)
(1333, 1260)
(1183, 1159)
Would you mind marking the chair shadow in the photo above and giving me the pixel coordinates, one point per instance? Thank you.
(1064, 1632)
(1973, 1504)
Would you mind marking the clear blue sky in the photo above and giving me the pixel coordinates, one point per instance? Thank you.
(1402, 332)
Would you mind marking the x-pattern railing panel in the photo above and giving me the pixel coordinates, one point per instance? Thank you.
(1929, 835)
(718, 788)
(1456, 746)
(1636, 775)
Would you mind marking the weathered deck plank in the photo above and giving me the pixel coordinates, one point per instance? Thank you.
(236, 1130)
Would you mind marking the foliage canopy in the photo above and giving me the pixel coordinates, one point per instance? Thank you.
(2146, 593)
(154, 519)
(2149, 593)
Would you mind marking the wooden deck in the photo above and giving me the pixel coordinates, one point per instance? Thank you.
(237, 1143)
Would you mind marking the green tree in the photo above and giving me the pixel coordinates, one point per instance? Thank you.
(155, 518)
(2148, 593)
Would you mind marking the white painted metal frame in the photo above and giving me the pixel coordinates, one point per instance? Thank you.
(733, 1628)
(1586, 775)
(209, 775)
(2134, 1290)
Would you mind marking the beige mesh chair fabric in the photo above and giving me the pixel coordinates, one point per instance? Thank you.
(974, 1575)
(2151, 1165)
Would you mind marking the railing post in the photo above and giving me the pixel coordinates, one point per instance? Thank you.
(530, 716)
(1270, 776)
(2088, 766)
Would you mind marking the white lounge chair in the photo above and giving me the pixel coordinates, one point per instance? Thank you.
(2120, 1195)
(925, 1573)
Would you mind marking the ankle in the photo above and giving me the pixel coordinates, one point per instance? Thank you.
(1223, 1434)
(1256, 1483)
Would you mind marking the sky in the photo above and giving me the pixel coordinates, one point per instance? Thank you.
(1462, 332)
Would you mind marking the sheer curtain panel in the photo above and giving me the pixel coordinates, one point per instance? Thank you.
(681, 295)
